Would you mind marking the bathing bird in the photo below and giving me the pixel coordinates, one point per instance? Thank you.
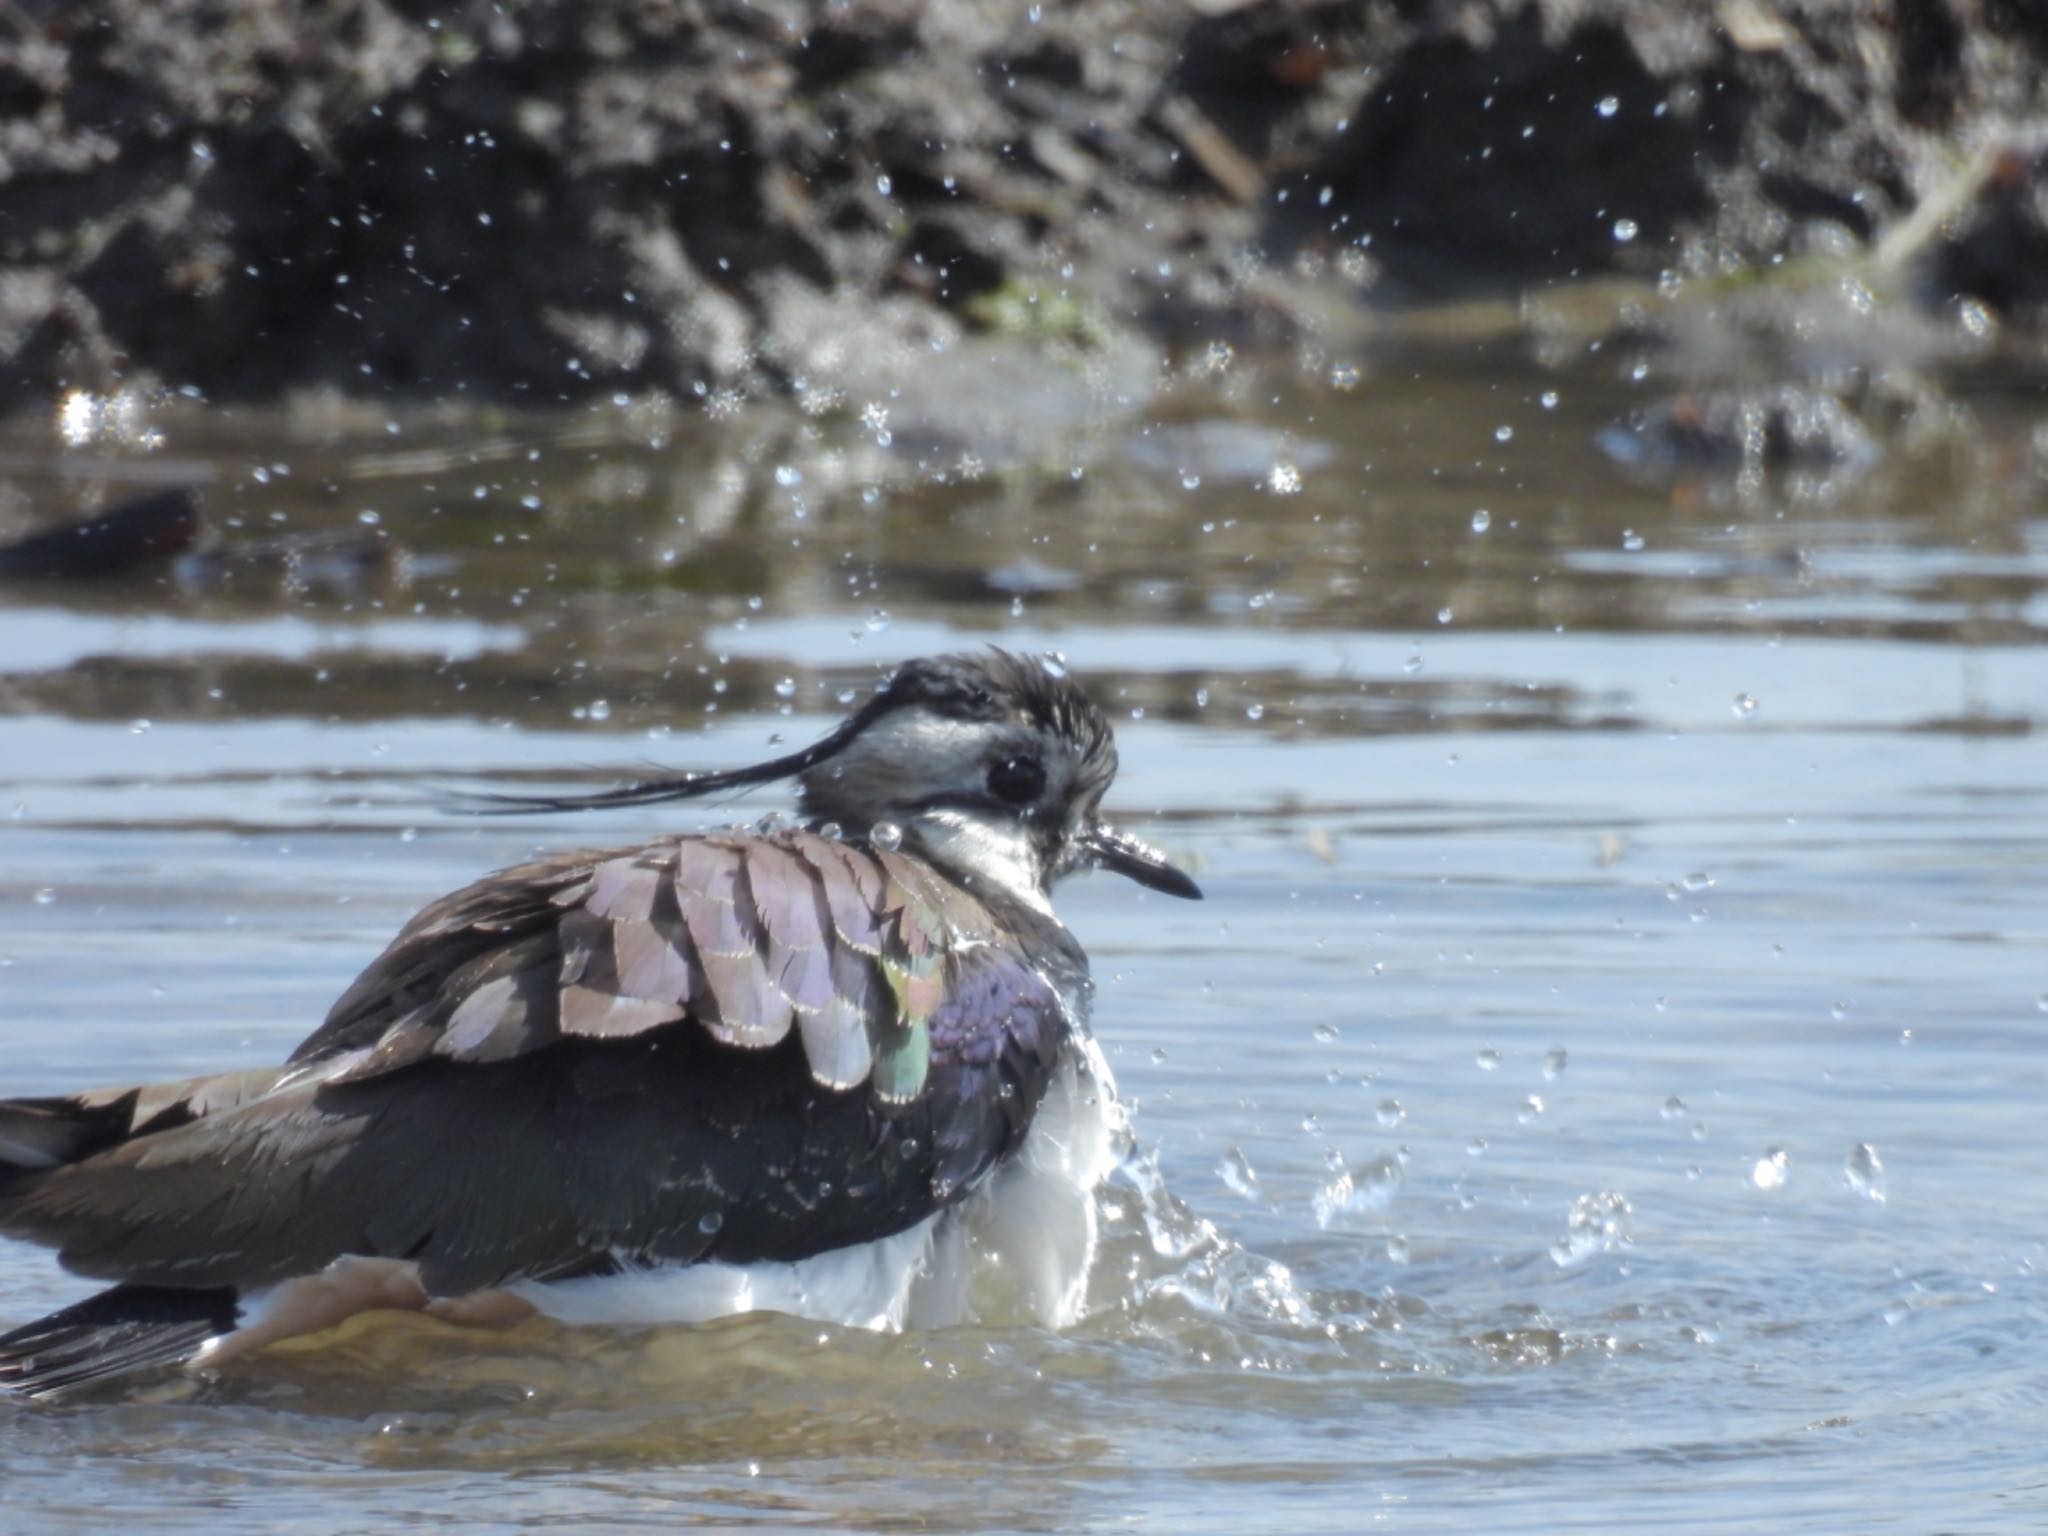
(823, 1067)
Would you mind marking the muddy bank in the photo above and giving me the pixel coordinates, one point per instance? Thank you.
(551, 201)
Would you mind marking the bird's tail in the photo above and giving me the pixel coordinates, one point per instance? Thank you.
(118, 1332)
(129, 1328)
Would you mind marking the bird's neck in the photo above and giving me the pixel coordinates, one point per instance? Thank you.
(990, 861)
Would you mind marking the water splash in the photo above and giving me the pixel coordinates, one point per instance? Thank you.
(1237, 1174)
(1212, 1273)
(1598, 1223)
(1370, 1188)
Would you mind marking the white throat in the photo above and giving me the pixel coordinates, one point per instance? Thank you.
(986, 854)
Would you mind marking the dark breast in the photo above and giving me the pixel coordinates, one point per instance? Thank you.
(724, 1047)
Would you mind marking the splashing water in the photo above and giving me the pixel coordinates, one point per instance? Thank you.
(1597, 1224)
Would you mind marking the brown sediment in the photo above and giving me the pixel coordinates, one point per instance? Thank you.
(562, 201)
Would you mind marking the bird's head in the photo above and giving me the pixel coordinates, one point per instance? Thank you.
(989, 765)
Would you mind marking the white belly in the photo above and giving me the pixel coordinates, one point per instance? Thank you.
(1028, 1234)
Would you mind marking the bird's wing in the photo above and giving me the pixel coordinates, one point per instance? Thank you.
(749, 938)
(733, 1047)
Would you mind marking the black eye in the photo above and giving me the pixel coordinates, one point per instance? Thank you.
(1017, 780)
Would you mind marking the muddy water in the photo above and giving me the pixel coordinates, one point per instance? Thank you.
(1602, 1090)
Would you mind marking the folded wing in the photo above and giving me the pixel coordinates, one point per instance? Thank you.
(722, 1046)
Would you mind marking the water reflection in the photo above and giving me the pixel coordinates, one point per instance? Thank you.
(634, 558)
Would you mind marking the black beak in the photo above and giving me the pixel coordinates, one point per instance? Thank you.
(1106, 848)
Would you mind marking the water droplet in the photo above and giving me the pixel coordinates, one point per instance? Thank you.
(1284, 479)
(46, 896)
(1158, 1055)
(1235, 1170)
(788, 475)
(1190, 481)
(1503, 434)
(137, 727)
(1772, 1169)
(886, 834)
(1673, 1107)
(1443, 615)
(1325, 1033)
(1548, 399)
(600, 709)
(1838, 1011)
(1553, 1064)
(1531, 1108)
(1488, 1059)
(1607, 106)
(785, 688)
(1312, 1123)
(1744, 706)
(1631, 540)
(1865, 1172)
(1625, 230)
(1255, 711)
(1476, 1147)
(1597, 1223)
(710, 1222)
(883, 186)
(1397, 1250)
(1345, 376)
(1481, 520)
(1699, 880)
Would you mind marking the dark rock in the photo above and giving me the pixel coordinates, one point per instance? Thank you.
(137, 536)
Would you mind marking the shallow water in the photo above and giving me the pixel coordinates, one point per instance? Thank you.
(1582, 893)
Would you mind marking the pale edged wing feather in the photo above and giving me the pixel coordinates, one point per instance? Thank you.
(745, 938)
(853, 885)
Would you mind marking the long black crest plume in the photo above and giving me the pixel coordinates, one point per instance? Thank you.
(983, 686)
(683, 786)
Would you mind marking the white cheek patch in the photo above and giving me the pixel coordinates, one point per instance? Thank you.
(1001, 855)
(911, 756)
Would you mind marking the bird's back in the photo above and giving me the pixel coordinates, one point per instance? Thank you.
(738, 1047)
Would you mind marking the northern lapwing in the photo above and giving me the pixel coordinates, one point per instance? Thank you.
(790, 1068)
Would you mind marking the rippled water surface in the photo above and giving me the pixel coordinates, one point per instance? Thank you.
(1603, 1089)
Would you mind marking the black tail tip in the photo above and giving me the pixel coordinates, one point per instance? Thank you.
(120, 1332)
